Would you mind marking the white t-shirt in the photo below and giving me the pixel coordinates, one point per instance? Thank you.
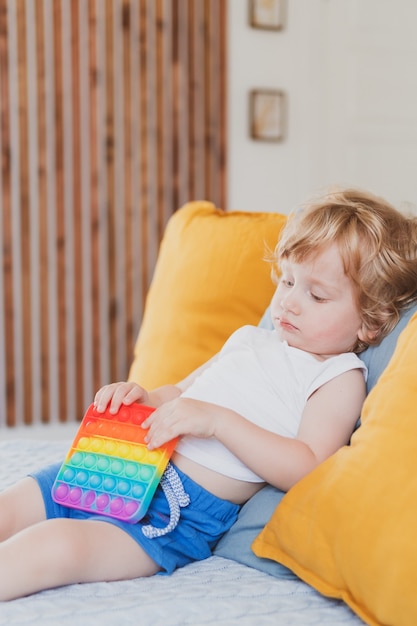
(266, 381)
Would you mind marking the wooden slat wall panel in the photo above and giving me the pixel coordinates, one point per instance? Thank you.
(112, 115)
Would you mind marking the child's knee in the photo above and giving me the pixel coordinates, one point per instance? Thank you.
(65, 544)
(21, 506)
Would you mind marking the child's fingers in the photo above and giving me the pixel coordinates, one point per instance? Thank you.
(114, 395)
(161, 427)
(102, 398)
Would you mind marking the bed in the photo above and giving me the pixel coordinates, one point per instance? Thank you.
(336, 550)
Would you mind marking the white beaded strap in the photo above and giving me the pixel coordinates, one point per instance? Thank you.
(177, 498)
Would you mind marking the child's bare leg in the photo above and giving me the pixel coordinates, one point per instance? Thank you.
(20, 506)
(65, 551)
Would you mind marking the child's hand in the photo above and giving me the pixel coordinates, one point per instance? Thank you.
(181, 416)
(117, 394)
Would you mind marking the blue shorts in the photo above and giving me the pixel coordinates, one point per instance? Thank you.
(201, 524)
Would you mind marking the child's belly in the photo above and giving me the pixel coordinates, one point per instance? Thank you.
(224, 487)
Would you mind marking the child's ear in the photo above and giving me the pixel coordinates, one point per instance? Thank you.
(366, 334)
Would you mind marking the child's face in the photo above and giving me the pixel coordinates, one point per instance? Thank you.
(314, 305)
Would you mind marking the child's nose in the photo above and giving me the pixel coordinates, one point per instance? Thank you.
(289, 302)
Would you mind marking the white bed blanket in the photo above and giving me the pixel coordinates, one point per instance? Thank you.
(214, 591)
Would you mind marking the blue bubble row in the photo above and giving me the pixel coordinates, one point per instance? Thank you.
(103, 482)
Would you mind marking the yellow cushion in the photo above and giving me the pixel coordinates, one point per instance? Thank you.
(349, 528)
(210, 278)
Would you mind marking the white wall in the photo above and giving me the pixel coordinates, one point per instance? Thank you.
(348, 68)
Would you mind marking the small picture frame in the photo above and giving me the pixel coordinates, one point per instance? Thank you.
(266, 111)
(267, 14)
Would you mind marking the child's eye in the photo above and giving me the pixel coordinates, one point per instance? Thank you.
(317, 298)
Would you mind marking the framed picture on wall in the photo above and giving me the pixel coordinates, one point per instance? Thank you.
(266, 14)
(266, 113)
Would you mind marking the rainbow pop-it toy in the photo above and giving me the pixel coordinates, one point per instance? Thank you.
(109, 469)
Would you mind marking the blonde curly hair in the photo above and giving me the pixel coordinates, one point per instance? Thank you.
(378, 246)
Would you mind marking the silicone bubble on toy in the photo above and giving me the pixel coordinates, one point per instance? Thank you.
(109, 469)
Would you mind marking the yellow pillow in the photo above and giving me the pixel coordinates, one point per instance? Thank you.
(210, 278)
(349, 528)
